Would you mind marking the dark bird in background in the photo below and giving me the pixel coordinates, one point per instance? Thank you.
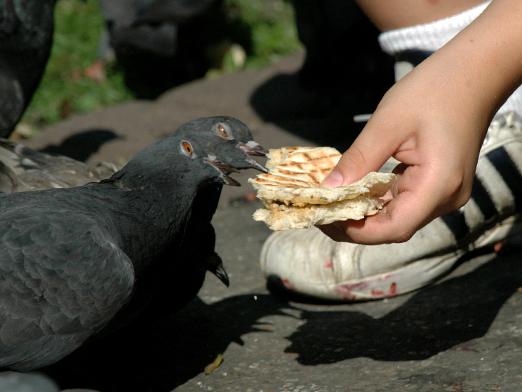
(72, 260)
(26, 32)
(162, 43)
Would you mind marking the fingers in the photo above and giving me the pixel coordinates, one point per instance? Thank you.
(416, 201)
(367, 153)
(395, 223)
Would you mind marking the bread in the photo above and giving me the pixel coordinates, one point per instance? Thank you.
(294, 199)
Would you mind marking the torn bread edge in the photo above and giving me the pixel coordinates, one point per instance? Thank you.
(283, 217)
(300, 208)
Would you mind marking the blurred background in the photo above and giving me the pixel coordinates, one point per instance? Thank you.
(109, 51)
(85, 73)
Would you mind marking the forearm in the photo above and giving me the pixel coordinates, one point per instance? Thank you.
(482, 65)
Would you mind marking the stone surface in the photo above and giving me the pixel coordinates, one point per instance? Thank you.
(461, 334)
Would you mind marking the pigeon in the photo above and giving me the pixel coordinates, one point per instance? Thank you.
(74, 260)
(24, 169)
(26, 33)
(161, 43)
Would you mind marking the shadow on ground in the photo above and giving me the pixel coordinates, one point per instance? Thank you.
(82, 145)
(344, 73)
(321, 117)
(312, 116)
(435, 319)
(446, 316)
(162, 356)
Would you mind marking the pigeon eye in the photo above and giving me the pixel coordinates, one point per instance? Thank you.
(223, 132)
(186, 148)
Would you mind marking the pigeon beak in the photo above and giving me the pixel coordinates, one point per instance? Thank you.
(222, 275)
(256, 165)
(224, 171)
(253, 148)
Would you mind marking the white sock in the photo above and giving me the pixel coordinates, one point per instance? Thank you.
(431, 36)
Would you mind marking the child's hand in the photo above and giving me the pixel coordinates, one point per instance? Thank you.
(432, 126)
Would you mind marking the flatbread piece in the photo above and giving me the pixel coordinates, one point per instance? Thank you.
(294, 199)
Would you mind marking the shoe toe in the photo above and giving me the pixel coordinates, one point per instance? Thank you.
(302, 260)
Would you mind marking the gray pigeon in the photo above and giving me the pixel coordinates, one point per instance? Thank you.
(24, 169)
(73, 259)
(162, 43)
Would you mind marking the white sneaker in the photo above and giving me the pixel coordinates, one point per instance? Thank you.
(310, 263)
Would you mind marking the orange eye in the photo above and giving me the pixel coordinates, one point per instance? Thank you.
(222, 131)
(186, 148)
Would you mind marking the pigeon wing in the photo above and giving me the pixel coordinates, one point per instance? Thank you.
(24, 169)
(61, 280)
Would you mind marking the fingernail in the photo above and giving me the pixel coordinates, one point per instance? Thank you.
(335, 178)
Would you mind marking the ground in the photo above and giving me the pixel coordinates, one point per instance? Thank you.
(461, 334)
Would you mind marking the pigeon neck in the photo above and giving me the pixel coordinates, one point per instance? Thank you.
(145, 174)
(152, 215)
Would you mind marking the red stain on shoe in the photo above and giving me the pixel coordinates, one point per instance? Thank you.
(346, 290)
(328, 264)
(499, 246)
(393, 290)
(287, 284)
(376, 293)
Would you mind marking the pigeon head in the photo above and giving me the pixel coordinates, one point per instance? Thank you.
(201, 151)
(228, 142)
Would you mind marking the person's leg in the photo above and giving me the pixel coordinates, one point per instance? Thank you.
(394, 14)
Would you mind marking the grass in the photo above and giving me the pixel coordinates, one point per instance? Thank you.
(65, 88)
(272, 26)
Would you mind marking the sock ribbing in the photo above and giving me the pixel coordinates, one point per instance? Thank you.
(429, 36)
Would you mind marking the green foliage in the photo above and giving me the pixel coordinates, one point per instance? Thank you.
(65, 89)
(272, 28)
(263, 29)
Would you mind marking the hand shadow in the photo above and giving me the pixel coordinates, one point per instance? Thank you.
(159, 357)
(344, 73)
(433, 320)
(82, 145)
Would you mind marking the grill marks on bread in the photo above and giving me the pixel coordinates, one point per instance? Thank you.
(299, 167)
(293, 197)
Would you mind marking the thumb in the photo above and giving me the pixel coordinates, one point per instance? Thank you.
(368, 153)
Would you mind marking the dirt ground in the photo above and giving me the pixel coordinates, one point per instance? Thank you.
(461, 334)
